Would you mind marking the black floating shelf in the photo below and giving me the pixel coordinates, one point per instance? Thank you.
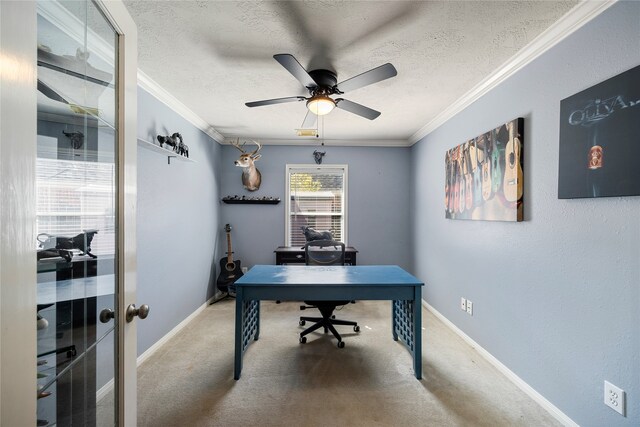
(232, 201)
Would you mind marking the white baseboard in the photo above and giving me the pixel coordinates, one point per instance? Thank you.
(522, 385)
(144, 356)
(105, 389)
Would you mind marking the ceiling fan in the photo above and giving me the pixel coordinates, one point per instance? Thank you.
(323, 83)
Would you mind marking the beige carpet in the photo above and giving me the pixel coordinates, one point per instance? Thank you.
(370, 382)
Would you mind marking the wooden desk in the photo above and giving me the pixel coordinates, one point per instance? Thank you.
(300, 283)
(295, 255)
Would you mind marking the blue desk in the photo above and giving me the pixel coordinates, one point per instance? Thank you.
(299, 283)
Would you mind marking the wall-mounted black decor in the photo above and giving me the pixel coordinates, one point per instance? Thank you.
(175, 141)
(600, 139)
(484, 179)
(244, 200)
(318, 155)
(76, 139)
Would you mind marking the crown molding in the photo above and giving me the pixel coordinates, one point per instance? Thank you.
(582, 13)
(315, 142)
(148, 84)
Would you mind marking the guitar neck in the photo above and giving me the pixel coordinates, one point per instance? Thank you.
(229, 251)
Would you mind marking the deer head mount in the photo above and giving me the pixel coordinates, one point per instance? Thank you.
(251, 177)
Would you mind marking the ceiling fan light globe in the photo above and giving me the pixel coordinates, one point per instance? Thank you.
(321, 105)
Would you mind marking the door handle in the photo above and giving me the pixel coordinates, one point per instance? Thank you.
(106, 315)
(141, 312)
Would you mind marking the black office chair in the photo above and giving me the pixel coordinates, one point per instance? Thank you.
(324, 252)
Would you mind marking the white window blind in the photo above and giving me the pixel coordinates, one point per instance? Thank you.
(73, 196)
(316, 197)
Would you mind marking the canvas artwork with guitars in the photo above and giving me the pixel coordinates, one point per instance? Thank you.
(230, 269)
(483, 176)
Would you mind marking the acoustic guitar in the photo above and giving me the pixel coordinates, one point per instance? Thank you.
(500, 135)
(512, 185)
(468, 178)
(456, 184)
(476, 172)
(230, 269)
(460, 163)
(486, 169)
(452, 184)
(447, 181)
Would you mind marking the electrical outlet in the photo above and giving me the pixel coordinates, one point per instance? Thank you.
(469, 308)
(463, 304)
(614, 397)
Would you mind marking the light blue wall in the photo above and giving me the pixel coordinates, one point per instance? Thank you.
(178, 222)
(557, 297)
(378, 198)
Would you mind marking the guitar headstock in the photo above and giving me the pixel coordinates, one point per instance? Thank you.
(227, 228)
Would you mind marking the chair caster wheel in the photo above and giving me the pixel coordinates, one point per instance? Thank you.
(302, 323)
(340, 344)
(356, 328)
(303, 340)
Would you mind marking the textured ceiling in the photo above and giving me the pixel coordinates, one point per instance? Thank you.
(214, 56)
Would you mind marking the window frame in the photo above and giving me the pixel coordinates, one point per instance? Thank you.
(311, 168)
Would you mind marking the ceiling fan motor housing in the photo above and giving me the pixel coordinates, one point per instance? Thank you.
(326, 80)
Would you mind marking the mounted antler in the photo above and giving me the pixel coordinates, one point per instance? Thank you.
(238, 146)
(257, 149)
(251, 177)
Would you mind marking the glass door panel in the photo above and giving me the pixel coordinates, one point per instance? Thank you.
(76, 184)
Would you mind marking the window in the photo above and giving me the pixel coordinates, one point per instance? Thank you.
(316, 197)
(74, 196)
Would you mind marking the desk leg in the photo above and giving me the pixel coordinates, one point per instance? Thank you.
(247, 327)
(257, 334)
(417, 332)
(239, 328)
(394, 316)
